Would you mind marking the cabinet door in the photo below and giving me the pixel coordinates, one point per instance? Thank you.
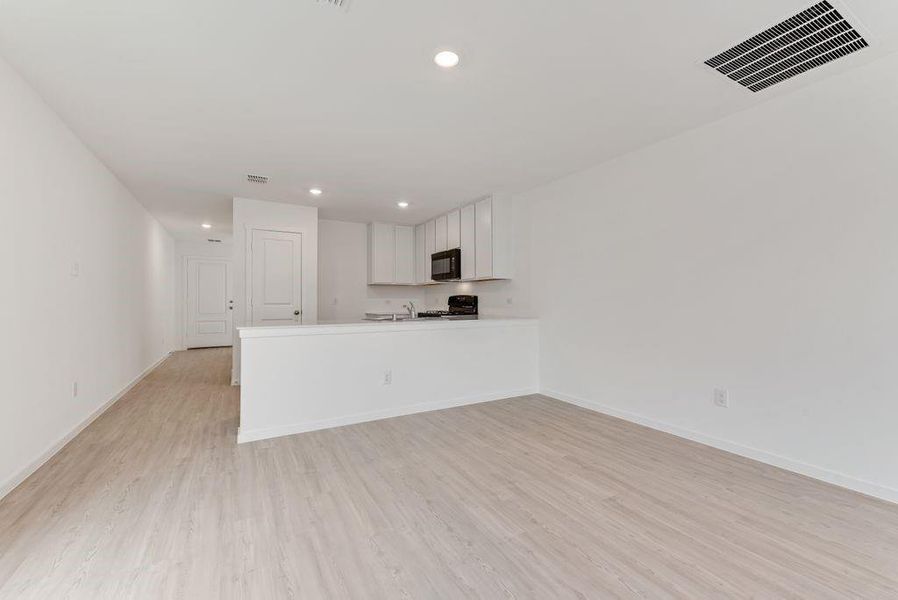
(430, 246)
(422, 259)
(442, 239)
(467, 245)
(383, 253)
(483, 238)
(405, 254)
(452, 230)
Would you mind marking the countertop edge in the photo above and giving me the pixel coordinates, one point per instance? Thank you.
(381, 327)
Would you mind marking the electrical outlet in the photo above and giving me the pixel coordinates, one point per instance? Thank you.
(388, 377)
(76, 269)
(721, 398)
(74, 389)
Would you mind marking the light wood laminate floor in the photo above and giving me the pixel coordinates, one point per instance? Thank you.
(523, 498)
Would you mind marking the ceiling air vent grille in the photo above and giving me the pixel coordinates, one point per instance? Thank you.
(344, 4)
(808, 40)
(257, 179)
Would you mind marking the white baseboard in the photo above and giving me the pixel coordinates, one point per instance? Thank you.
(254, 435)
(802, 468)
(17, 479)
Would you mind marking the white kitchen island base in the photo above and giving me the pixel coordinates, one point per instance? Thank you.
(308, 377)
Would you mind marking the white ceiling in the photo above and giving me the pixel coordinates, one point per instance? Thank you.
(183, 98)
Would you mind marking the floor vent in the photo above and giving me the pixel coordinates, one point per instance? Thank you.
(257, 179)
(808, 40)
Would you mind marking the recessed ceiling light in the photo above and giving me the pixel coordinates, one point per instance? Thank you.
(207, 226)
(446, 59)
(402, 204)
(316, 191)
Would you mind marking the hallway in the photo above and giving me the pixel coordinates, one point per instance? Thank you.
(135, 498)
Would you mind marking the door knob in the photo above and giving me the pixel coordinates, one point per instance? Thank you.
(296, 313)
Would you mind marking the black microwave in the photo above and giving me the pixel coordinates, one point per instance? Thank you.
(446, 265)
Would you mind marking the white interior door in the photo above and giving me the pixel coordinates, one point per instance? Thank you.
(276, 292)
(210, 315)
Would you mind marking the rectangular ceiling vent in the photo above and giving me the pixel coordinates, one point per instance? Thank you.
(806, 41)
(343, 4)
(257, 179)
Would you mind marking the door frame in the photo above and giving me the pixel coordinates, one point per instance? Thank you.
(185, 300)
(248, 282)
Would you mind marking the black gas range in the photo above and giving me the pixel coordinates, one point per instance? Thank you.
(460, 308)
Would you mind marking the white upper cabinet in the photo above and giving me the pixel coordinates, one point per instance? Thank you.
(422, 259)
(401, 255)
(502, 220)
(381, 253)
(430, 236)
(391, 254)
(466, 242)
(405, 255)
(483, 238)
(493, 243)
(452, 230)
(442, 234)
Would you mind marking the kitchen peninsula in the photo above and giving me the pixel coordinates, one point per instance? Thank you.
(313, 376)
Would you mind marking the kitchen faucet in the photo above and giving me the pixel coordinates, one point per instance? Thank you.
(412, 311)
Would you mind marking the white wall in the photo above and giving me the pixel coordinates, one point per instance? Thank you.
(260, 214)
(758, 254)
(184, 249)
(343, 290)
(60, 206)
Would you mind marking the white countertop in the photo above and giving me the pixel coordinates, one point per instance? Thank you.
(363, 326)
